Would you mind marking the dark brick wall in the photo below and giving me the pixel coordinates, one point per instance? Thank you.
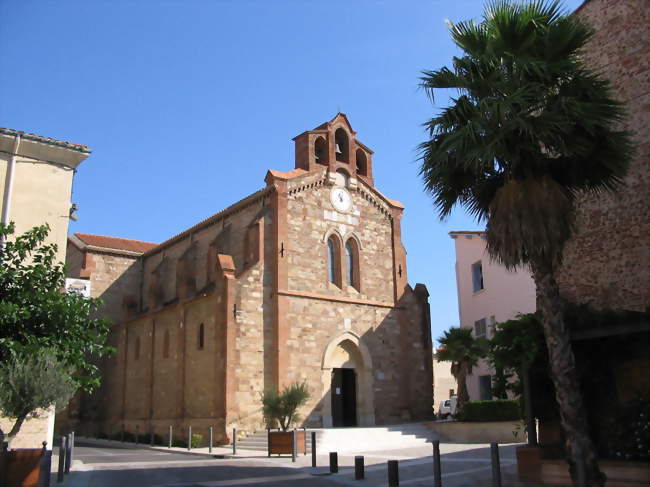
(607, 263)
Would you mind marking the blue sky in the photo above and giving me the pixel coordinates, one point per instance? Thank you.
(187, 104)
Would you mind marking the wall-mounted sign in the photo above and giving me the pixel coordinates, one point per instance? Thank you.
(79, 286)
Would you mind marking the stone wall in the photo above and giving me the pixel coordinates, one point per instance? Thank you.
(607, 263)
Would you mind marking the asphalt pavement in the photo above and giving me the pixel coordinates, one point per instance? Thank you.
(113, 464)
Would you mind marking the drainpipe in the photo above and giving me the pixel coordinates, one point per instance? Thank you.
(9, 186)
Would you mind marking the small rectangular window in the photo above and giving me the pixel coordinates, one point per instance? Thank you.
(485, 387)
(477, 276)
(480, 329)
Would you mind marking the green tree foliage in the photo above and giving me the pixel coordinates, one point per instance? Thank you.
(31, 381)
(515, 344)
(458, 346)
(282, 407)
(531, 129)
(35, 313)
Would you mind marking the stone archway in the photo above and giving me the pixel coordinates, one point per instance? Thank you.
(346, 350)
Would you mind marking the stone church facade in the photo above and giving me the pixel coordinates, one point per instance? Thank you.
(304, 280)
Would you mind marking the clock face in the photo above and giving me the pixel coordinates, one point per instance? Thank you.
(341, 199)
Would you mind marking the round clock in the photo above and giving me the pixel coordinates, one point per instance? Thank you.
(341, 199)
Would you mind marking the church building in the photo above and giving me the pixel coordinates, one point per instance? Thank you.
(304, 280)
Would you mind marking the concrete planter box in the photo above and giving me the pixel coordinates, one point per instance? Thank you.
(479, 432)
(281, 442)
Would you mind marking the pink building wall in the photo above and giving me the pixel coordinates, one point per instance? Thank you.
(504, 293)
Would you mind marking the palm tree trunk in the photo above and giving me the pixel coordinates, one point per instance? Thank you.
(463, 395)
(580, 447)
(528, 407)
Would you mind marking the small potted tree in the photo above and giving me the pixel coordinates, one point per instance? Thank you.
(31, 382)
(280, 409)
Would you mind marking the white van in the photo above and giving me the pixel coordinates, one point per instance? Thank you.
(447, 407)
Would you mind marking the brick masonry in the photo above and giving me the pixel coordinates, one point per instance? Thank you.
(607, 263)
(254, 278)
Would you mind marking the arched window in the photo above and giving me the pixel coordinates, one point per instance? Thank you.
(341, 147)
(136, 352)
(352, 263)
(362, 163)
(333, 260)
(201, 340)
(166, 344)
(320, 151)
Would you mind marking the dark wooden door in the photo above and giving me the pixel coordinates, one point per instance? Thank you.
(344, 397)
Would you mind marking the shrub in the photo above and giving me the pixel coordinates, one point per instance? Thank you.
(496, 410)
(197, 440)
(282, 407)
(102, 436)
(129, 437)
(159, 440)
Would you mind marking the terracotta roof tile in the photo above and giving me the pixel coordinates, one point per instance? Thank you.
(45, 140)
(116, 243)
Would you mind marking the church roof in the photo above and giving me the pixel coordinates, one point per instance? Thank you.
(115, 243)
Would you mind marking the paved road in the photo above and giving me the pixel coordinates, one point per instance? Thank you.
(110, 466)
(114, 465)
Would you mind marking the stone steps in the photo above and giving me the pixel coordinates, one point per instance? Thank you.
(410, 435)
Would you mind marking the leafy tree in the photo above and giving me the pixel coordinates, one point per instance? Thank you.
(514, 347)
(31, 381)
(36, 313)
(458, 346)
(282, 407)
(531, 129)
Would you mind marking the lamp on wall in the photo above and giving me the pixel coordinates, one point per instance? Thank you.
(73, 212)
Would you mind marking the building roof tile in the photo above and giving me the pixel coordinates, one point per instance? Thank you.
(116, 243)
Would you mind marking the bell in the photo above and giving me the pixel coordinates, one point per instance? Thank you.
(338, 149)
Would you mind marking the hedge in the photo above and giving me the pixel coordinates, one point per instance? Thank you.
(496, 410)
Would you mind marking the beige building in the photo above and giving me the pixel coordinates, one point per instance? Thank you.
(444, 383)
(304, 280)
(36, 176)
(487, 294)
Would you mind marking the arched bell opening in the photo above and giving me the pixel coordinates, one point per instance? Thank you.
(362, 163)
(342, 146)
(320, 151)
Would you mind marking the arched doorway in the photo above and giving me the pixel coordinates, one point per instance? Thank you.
(347, 383)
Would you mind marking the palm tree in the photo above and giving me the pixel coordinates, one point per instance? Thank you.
(530, 130)
(458, 346)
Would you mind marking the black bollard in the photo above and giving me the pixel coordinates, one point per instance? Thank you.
(294, 445)
(304, 431)
(170, 436)
(234, 441)
(151, 438)
(210, 445)
(334, 462)
(62, 451)
(313, 449)
(359, 471)
(45, 467)
(189, 438)
(437, 473)
(393, 473)
(68, 453)
(496, 466)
